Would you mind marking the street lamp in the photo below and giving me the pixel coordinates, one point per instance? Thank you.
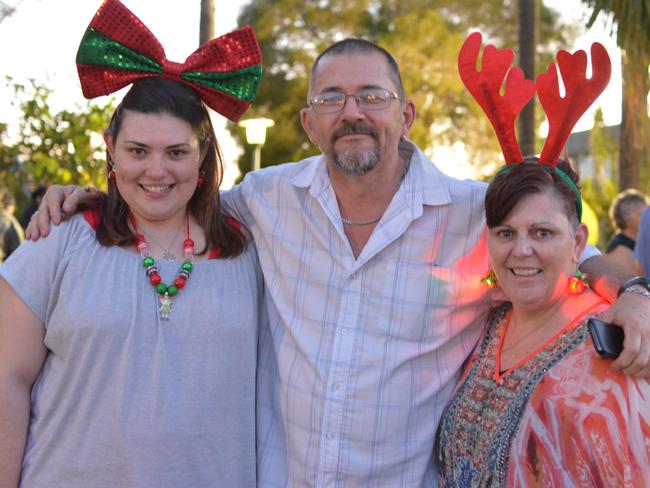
(255, 136)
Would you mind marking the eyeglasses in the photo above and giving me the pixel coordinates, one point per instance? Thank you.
(367, 99)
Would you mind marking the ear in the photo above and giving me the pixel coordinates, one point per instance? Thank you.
(306, 119)
(408, 116)
(580, 241)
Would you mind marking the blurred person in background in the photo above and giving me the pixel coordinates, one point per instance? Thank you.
(36, 197)
(642, 248)
(625, 214)
(11, 232)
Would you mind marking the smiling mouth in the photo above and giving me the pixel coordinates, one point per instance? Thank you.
(157, 188)
(525, 272)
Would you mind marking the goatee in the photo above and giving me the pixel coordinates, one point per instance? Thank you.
(352, 162)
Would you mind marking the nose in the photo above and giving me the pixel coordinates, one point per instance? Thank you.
(156, 166)
(522, 246)
(351, 108)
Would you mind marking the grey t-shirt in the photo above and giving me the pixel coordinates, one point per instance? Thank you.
(124, 399)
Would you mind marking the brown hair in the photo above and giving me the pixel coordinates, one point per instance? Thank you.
(623, 205)
(509, 187)
(354, 45)
(157, 96)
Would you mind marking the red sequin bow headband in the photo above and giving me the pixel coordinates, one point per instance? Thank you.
(502, 110)
(118, 49)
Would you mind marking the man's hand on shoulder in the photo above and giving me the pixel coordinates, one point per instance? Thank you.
(58, 202)
(632, 312)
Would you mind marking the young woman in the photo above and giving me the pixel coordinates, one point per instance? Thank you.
(128, 338)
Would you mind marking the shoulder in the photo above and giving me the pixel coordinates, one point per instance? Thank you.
(234, 225)
(279, 172)
(436, 181)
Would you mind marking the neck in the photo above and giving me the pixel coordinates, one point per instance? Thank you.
(366, 197)
(160, 228)
(551, 316)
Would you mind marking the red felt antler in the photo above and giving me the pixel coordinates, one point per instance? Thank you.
(581, 92)
(485, 87)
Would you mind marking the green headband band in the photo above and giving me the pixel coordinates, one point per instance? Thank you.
(559, 173)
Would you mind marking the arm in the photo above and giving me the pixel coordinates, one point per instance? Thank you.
(56, 203)
(630, 311)
(22, 354)
(623, 257)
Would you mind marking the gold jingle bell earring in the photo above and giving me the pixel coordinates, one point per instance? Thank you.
(578, 283)
(490, 280)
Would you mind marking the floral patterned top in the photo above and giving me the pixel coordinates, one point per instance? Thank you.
(560, 418)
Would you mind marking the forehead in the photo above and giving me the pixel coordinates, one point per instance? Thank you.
(545, 206)
(158, 127)
(350, 72)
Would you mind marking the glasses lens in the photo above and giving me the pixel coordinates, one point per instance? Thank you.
(367, 99)
(328, 102)
(373, 98)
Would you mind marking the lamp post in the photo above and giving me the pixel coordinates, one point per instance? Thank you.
(256, 136)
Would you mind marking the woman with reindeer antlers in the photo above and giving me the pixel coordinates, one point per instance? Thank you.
(536, 404)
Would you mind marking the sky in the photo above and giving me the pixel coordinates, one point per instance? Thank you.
(40, 41)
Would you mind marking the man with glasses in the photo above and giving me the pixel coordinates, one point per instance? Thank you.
(373, 260)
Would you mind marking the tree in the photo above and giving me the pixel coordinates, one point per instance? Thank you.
(600, 190)
(52, 147)
(206, 27)
(424, 36)
(632, 21)
(527, 25)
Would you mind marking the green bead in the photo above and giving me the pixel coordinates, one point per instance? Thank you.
(187, 266)
(161, 288)
(148, 261)
(172, 290)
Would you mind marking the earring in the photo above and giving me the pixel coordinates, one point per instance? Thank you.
(490, 280)
(201, 181)
(111, 174)
(578, 283)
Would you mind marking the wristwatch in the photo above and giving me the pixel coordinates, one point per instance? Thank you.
(637, 280)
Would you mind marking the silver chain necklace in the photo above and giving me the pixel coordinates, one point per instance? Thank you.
(374, 221)
(360, 222)
(168, 255)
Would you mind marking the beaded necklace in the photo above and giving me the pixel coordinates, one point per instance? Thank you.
(165, 292)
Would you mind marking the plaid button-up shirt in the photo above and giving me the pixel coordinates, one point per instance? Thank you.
(361, 355)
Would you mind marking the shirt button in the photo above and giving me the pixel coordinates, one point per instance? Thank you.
(330, 436)
(344, 331)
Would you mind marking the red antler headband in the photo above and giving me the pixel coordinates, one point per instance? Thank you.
(502, 110)
(118, 49)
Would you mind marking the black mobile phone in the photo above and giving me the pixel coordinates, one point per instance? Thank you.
(607, 338)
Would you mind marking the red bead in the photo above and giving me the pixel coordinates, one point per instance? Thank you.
(154, 279)
(188, 243)
(179, 282)
(139, 240)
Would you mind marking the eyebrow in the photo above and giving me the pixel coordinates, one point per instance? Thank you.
(171, 146)
(339, 89)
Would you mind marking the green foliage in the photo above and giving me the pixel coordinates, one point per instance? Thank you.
(601, 190)
(631, 18)
(52, 147)
(423, 35)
